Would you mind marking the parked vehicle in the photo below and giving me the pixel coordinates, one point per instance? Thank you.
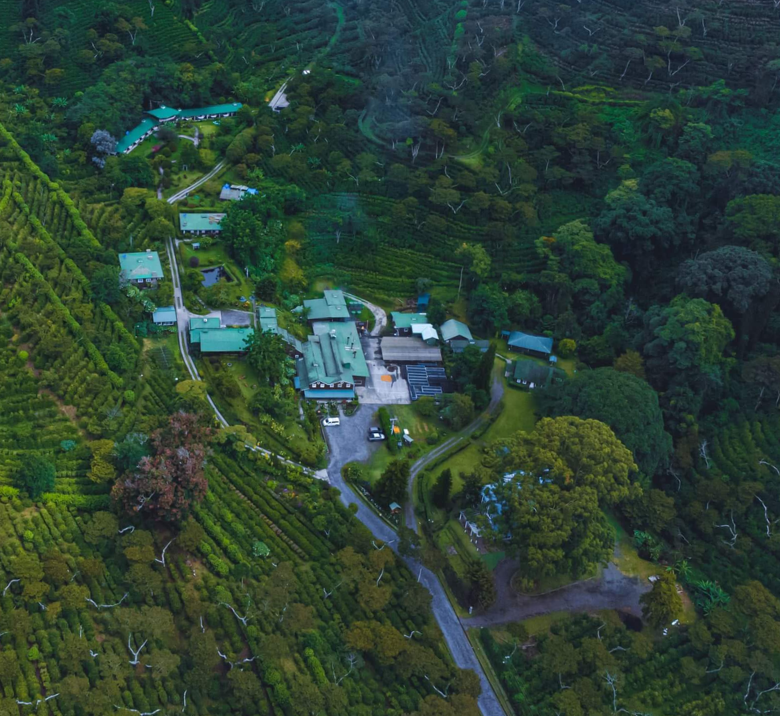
(375, 435)
(330, 422)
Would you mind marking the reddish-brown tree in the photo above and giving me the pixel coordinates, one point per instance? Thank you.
(166, 484)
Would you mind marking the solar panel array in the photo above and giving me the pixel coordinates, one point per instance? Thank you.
(422, 380)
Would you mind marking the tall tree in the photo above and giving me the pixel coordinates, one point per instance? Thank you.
(391, 486)
(661, 605)
(166, 485)
(267, 354)
(735, 278)
(571, 453)
(685, 339)
(622, 401)
(442, 488)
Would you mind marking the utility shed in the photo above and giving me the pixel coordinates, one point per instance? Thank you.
(141, 267)
(409, 349)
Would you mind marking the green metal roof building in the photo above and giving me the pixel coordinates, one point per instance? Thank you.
(165, 316)
(270, 323)
(225, 340)
(407, 320)
(141, 267)
(197, 325)
(267, 318)
(531, 374)
(170, 114)
(332, 360)
(200, 223)
(331, 307)
(163, 114)
(133, 137)
(455, 329)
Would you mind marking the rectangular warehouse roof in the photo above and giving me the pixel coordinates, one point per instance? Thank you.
(409, 349)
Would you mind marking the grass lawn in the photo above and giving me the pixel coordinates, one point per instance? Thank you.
(419, 429)
(518, 414)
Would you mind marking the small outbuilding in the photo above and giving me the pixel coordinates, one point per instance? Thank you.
(164, 316)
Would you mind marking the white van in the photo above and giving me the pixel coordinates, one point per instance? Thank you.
(330, 422)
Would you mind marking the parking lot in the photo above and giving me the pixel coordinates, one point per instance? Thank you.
(384, 385)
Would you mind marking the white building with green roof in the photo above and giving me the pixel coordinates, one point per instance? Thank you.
(162, 115)
(133, 137)
(333, 362)
(142, 269)
(208, 336)
(201, 223)
(403, 322)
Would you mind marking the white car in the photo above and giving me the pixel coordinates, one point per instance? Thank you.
(330, 422)
(376, 435)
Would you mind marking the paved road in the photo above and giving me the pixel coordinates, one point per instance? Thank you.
(184, 192)
(345, 447)
(496, 393)
(380, 317)
(610, 590)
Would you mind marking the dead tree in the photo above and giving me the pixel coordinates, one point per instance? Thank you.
(134, 652)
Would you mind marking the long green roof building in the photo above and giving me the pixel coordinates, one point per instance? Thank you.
(208, 336)
(162, 115)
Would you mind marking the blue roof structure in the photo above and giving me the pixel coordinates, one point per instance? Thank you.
(164, 315)
(530, 342)
(342, 394)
